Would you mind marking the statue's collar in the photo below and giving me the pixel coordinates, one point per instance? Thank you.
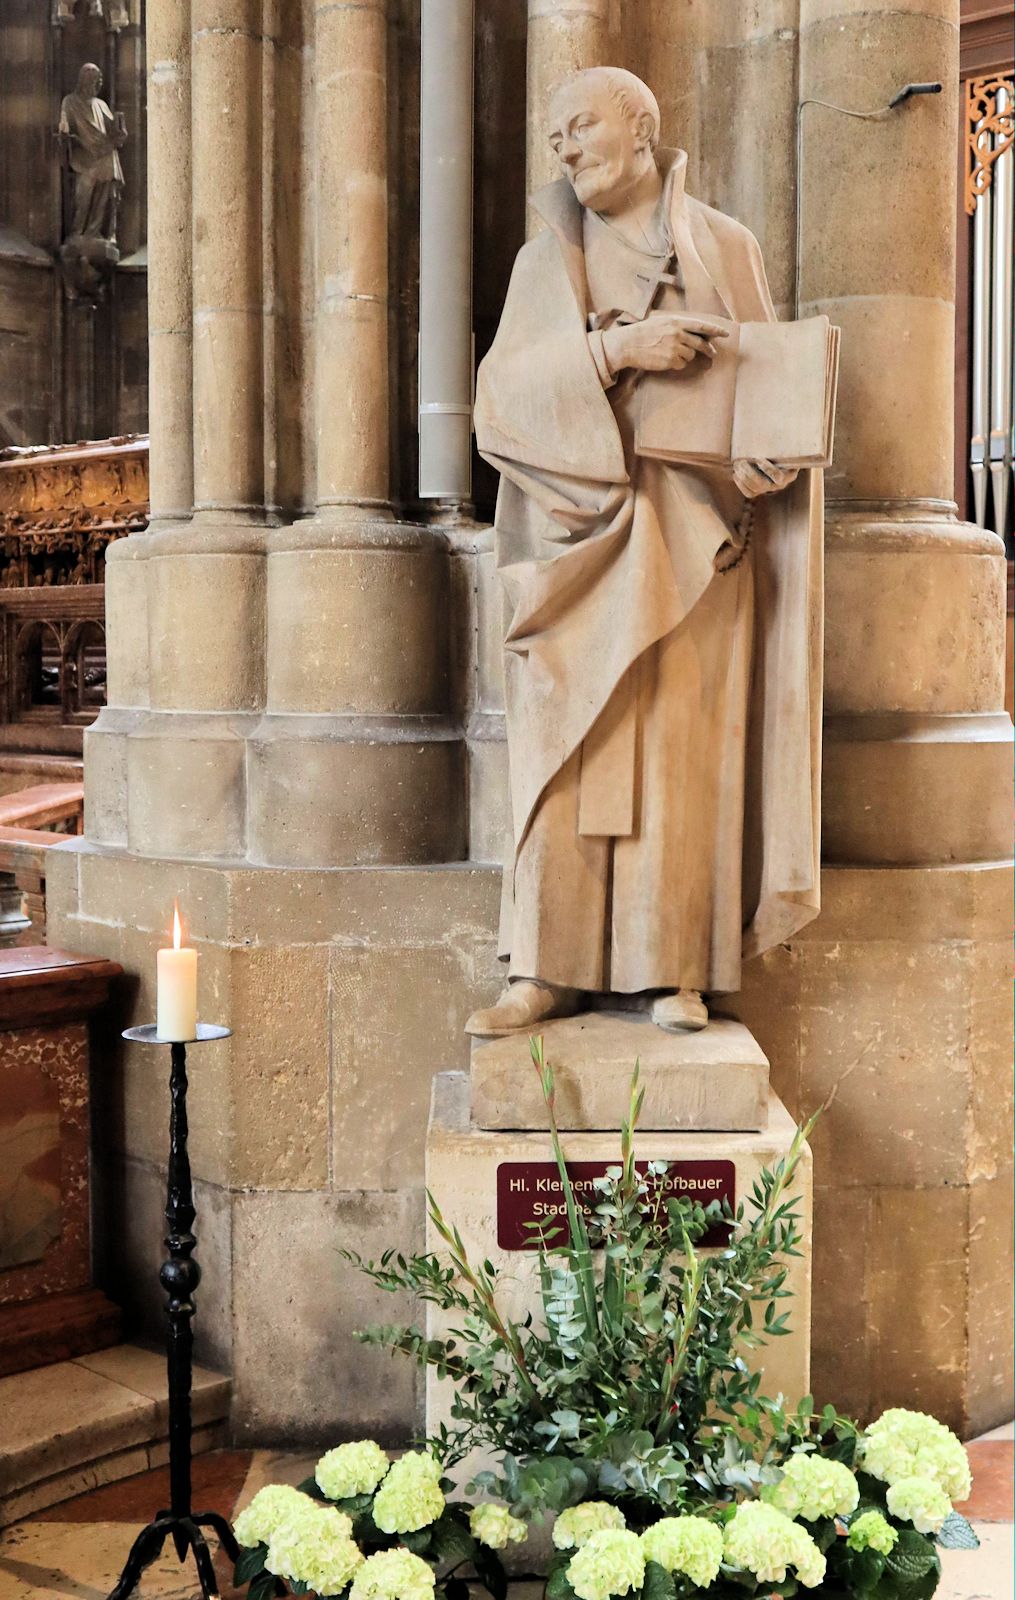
(560, 208)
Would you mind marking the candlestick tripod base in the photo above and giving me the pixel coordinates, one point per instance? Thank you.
(186, 1534)
(179, 1276)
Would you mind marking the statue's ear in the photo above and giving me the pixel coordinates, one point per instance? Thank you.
(645, 124)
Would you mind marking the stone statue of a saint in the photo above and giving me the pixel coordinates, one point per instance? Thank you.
(663, 653)
(91, 137)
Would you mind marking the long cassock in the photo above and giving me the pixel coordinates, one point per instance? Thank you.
(663, 697)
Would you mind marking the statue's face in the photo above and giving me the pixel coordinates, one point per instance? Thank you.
(89, 80)
(600, 150)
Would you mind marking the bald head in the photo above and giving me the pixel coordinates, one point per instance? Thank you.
(604, 127)
(633, 99)
(89, 80)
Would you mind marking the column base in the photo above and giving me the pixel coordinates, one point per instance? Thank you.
(893, 1009)
(346, 990)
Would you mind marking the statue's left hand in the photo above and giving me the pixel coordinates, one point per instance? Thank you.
(754, 478)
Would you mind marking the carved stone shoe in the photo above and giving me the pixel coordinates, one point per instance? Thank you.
(682, 1012)
(523, 1004)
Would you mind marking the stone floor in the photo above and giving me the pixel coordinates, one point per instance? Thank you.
(74, 1551)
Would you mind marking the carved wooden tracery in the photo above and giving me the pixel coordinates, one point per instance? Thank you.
(60, 507)
(988, 132)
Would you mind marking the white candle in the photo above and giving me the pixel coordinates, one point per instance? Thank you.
(176, 1010)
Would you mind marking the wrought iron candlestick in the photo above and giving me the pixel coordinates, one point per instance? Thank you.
(179, 1276)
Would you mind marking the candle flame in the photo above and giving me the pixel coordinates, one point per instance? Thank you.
(177, 930)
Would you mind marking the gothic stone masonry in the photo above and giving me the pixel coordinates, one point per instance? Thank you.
(304, 736)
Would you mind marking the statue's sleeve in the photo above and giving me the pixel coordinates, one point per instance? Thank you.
(540, 404)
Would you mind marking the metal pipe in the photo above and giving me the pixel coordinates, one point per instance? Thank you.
(1001, 343)
(445, 250)
(980, 354)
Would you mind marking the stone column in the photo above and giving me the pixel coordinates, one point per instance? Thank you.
(279, 752)
(357, 600)
(914, 690)
(351, 133)
(565, 36)
(227, 249)
(883, 1006)
(170, 340)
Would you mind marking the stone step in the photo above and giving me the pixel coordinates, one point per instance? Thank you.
(69, 1427)
(716, 1079)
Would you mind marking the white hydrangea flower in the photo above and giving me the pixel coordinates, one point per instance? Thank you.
(493, 1525)
(812, 1487)
(763, 1540)
(911, 1444)
(351, 1469)
(393, 1575)
(316, 1550)
(410, 1497)
(579, 1523)
(919, 1500)
(271, 1506)
(690, 1545)
(608, 1563)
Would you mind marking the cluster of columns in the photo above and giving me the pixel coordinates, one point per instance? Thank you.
(915, 724)
(286, 646)
(260, 707)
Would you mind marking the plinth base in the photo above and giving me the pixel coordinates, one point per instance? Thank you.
(462, 1174)
(717, 1078)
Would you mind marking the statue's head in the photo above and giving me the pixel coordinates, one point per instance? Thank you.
(89, 80)
(604, 127)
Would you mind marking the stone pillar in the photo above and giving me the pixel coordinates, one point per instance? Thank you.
(565, 36)
(351, 134)
(377, 774)
(883, 1005)
(279, 751)
(170, 340)
(227, 51)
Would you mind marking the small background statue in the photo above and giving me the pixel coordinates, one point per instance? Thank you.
(91, 136)
(115, 12)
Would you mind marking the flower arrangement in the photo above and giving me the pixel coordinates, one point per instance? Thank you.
(370, 1528)
(631, 1419)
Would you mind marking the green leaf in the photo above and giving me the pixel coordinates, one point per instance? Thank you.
(262, 1587)
(957, 1534)
(311, 1487)
(558, 1587)
(490, 1572)
(912, 1558)
(451, 1541)
(418, 1542)
(249, 1563)
(865, 1568)
(658, 1583)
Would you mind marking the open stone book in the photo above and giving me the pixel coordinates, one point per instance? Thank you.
(769, 395)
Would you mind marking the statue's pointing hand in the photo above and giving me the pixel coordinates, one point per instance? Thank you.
(754, 478)
(664, 341)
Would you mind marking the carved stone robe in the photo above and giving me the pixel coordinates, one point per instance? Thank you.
(93, 142)
(663, 716)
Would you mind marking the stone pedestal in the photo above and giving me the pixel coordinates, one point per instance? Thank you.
(681, 1123)
(716, 1079)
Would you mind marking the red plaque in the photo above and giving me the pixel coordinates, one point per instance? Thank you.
(530, 1193)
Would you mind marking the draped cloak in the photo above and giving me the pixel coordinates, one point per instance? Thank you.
(93, 154)
(596, 572)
